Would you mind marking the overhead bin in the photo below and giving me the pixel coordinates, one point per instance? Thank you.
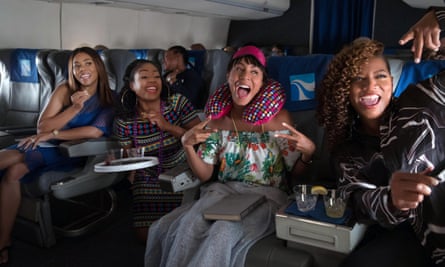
(424, 3)
(233, 9)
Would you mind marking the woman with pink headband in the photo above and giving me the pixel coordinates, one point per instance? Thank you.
(248, 139)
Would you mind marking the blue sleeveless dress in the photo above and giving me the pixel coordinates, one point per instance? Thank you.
(49, 158)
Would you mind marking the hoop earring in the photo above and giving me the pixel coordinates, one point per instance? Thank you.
(124, 95)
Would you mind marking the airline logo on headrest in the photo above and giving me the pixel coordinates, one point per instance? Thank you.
(302, 86)
(192, 61)
(25, 68)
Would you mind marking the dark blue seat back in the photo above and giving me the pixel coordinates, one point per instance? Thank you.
(154, 54)
(413, 73)
(299, 75)
(197, 60)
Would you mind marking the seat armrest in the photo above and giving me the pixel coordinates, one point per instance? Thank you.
(10, 136)
(18, 129)
(6, 139)
(88, 147)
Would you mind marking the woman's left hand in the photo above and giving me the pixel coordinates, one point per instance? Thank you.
(197, 134)
(33, 140)
(300, 141)
(425, 33)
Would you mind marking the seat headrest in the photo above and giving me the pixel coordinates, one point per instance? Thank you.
(197, 59)
(23, 66)
(299, 76)
(140, 53)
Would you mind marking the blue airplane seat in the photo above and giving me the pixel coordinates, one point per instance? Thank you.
(57, 61)
(215, 69)
(153, 54)
(116, 61)
(68, 199)
(416, 72)
(299, 76)
(19, 77)
(140, 53)
(196, 60)
(156, 55)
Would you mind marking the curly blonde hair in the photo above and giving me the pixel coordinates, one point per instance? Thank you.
(334, 110)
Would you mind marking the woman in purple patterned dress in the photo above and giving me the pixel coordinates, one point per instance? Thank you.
(155, 120)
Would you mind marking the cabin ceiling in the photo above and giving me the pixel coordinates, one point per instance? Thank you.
(424, 3)
(232, 9)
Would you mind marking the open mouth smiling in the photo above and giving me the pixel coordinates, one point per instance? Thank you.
(151, 89)
(242, 91)
(370, 100)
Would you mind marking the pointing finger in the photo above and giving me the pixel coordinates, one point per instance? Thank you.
(406, 37)
(291, 129)
(203, 123)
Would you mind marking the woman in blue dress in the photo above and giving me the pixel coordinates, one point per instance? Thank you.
(80, 108)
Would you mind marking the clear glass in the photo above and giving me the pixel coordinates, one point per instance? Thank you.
(304, 199)
(334, 204)
(120, 153)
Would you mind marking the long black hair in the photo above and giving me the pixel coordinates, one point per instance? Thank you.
(128, 97)
(105, 94)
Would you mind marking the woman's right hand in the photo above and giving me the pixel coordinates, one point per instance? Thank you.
(79, 98)
(409, 189)
(197, 134)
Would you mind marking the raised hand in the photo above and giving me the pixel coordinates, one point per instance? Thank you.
(79, 98)
(198, 134)
(156, 118)
(425, 33)
(300, 141)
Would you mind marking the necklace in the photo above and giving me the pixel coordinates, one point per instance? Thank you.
(236, 131)
(234, 125)
(251, 129)
(161, 139)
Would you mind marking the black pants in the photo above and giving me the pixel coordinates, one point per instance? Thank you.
(388, 248)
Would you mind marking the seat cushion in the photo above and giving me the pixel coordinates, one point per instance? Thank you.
(271, 252)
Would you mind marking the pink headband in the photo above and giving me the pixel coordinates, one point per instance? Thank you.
(253, 51)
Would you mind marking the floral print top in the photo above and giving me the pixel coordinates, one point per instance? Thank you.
(251, 157)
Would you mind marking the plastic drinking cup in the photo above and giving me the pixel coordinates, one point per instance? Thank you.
(304, 199)
(334, 204)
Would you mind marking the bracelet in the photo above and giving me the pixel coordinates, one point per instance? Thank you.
(304, 162)
(55, 132)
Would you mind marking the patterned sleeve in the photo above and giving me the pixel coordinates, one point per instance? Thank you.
(440, 15)
(104, 120)
(183, 108)
(121, 132)
(371, 200)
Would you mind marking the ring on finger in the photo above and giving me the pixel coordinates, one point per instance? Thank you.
(33, 140)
